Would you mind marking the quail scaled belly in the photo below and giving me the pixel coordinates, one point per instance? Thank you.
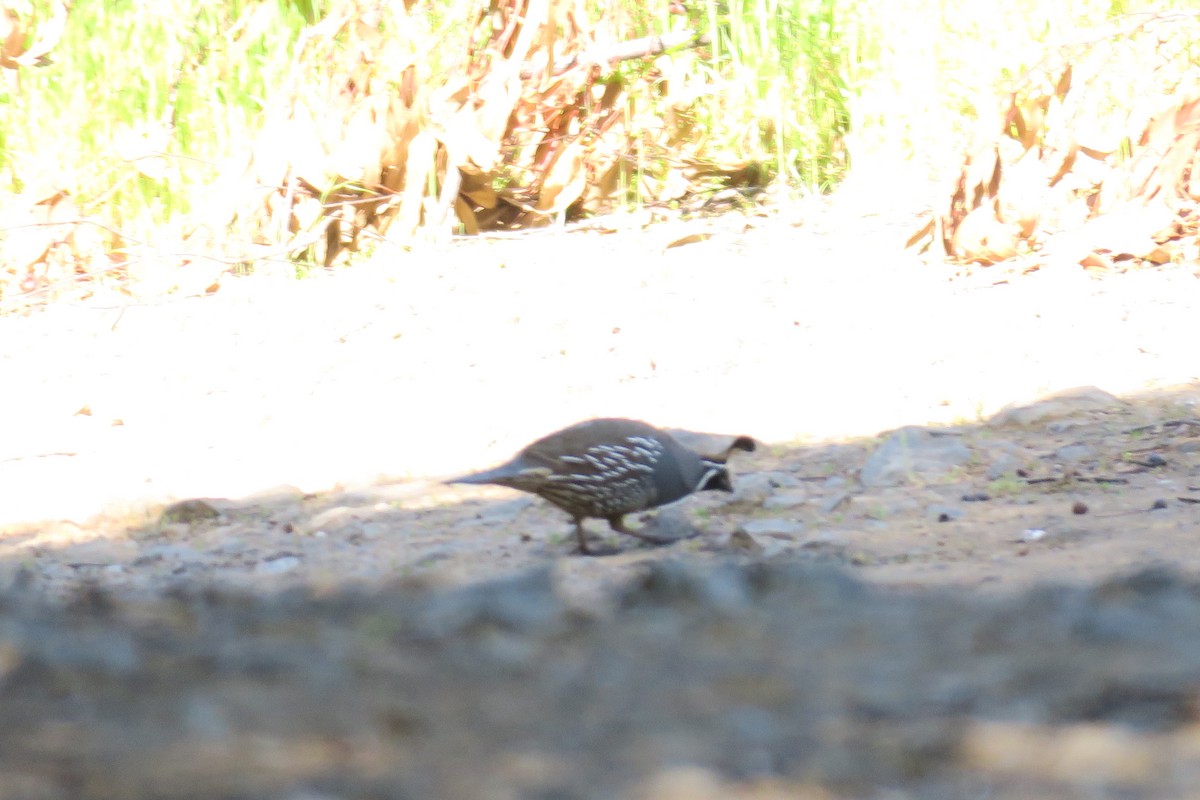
(607, 468)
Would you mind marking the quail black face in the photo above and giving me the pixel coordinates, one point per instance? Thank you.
(716, 478)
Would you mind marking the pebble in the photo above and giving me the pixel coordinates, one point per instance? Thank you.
(834, 501)
(943, 513)
(672, 522)
(755, 487)
(740, 540)
(1073, 453)
(372, 530)
(785, 500)
(1002, 464)
(913, 451)
(835, 482)
(277, 566)
(778, 528)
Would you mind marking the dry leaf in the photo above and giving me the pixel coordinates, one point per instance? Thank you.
(565, 182)
(691, 238)
(983, 238)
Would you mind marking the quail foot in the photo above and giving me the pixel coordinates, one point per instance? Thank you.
(607, 468)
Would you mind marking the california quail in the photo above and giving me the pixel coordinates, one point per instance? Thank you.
(607, 468)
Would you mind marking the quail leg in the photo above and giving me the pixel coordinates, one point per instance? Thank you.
(583, 545)
(617, 523)
(584, 549)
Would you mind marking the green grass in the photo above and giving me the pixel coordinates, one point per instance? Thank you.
(142, 104)
(145, 104)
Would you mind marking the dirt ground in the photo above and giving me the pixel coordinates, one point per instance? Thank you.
(961, 563)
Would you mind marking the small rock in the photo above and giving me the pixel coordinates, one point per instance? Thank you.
(910, 452)
(776, 528)
(1073, 453)
(976, 497)
(1153, 460)
(434, 555)
(1032, 535)
(669, 523)
(1079, 507)
(337, 521)
(1003, 464)
(278, 565)
(1158, 505)
(785, 500)
(1059, 404)
(288, 517)
(822, 540)
(835, 482)
(740, 540)
(755, 487)
(372, 530)
(834, 501)
(189, 511)
(228, 543)
(55, 572)
(944, 513)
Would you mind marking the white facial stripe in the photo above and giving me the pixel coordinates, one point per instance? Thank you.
(708, 475)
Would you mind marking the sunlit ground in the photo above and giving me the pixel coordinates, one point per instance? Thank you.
(812, 324)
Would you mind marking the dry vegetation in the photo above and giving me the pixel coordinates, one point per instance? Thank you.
(385, 119)
(1090, 158)
(154, 149)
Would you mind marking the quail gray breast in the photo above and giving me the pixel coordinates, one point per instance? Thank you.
(607, 468)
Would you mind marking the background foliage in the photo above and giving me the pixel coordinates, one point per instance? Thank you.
(142, 117)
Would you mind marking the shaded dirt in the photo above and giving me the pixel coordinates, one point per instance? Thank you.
(766, 681)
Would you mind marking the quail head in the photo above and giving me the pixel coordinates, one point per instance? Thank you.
(607, 468)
